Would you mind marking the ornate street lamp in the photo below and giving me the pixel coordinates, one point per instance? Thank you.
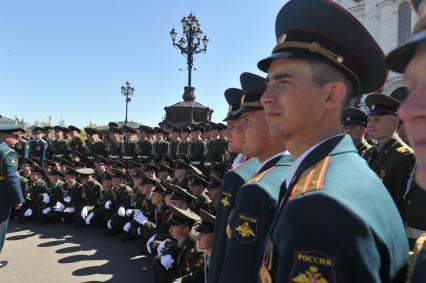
(127, 91)
(189, 45)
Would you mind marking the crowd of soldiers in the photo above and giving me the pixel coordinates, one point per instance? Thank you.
(290, 190)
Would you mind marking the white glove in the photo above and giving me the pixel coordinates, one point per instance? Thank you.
(148, 243)
(108, 204)
(161, 246)
(127, 226)
(59, 206)
(46, 210)
(129, 212)
(46, 198)
(67, 199)
(28, 212)
(121, 211)
(84, 212)
(69, 210)
(89, 218)
(167, 261)
(140, 217)
(109, 225)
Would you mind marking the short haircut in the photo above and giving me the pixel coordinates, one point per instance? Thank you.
(324, 72)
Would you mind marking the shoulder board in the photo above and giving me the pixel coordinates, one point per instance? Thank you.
(311, 180)
(403, 149)
(239, 165)
(259, 176)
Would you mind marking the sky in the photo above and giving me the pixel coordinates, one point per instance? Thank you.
(69, 59)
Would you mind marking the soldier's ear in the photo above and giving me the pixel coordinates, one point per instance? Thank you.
(335, 93)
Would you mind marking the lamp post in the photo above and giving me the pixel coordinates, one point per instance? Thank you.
(127, 91)
(190, 45)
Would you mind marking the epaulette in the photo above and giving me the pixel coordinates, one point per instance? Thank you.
(411, 260)
(239, 165)
(311, 180)
(259, 176)
(403, 149)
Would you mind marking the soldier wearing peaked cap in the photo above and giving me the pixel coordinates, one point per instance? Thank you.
(410, 59)
(33, 198)
(174, 144)
(75, 144)
(354, 123)
(161, 146)
(216, 150)
(129, 145)
(391, 159)
(197, 186)
(197, 147)
(22, 149)
(257, 200)
(10, 187)
(94, 145)
(185, 133)
(114, 144)
(38, 146)
(60, 144)
(144, 147)
(123, 201)
(204, 240)
(55, 193)
(180, 256)
(232, 181)
(315, 63)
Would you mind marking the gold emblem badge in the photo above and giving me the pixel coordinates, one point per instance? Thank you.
(245, 230)
(312, 275)
(225, 201)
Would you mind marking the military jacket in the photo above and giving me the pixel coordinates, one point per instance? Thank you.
(196, 150)
(36, 189)
(92, 193)
(10, 185)
(183, 147)
(22, 148)
(59, 148)
(94, 148)
(74, 191)
(231, 183)
(129, 150)
(56, 192)
(113, 149)
(144, 149)
(76, 144)
(161, 148)
(362, 147)
(336, 223)
(254, 209)
(216, 152)
(159, 220)
(173, 149)
(38, 149)
(393, 164)
(124, 197)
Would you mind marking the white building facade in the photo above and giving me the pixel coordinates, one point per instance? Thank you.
(390, 23)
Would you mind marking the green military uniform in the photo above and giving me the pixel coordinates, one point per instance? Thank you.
(91, 194)
(38, 147)
(93, 148)
(129, 146)
(392, 161)
(337, 222)
(256, 202)
(33, 200)
(10, 188)
(59, 148)
(356, 117)
(22, 149)
(231, 183)
(75, 144)
(184, 254)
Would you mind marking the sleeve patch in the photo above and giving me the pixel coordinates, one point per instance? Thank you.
(246, 228)
(313, 266)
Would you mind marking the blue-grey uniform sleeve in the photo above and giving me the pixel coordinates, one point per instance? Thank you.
(10, 162)
(251, 218)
